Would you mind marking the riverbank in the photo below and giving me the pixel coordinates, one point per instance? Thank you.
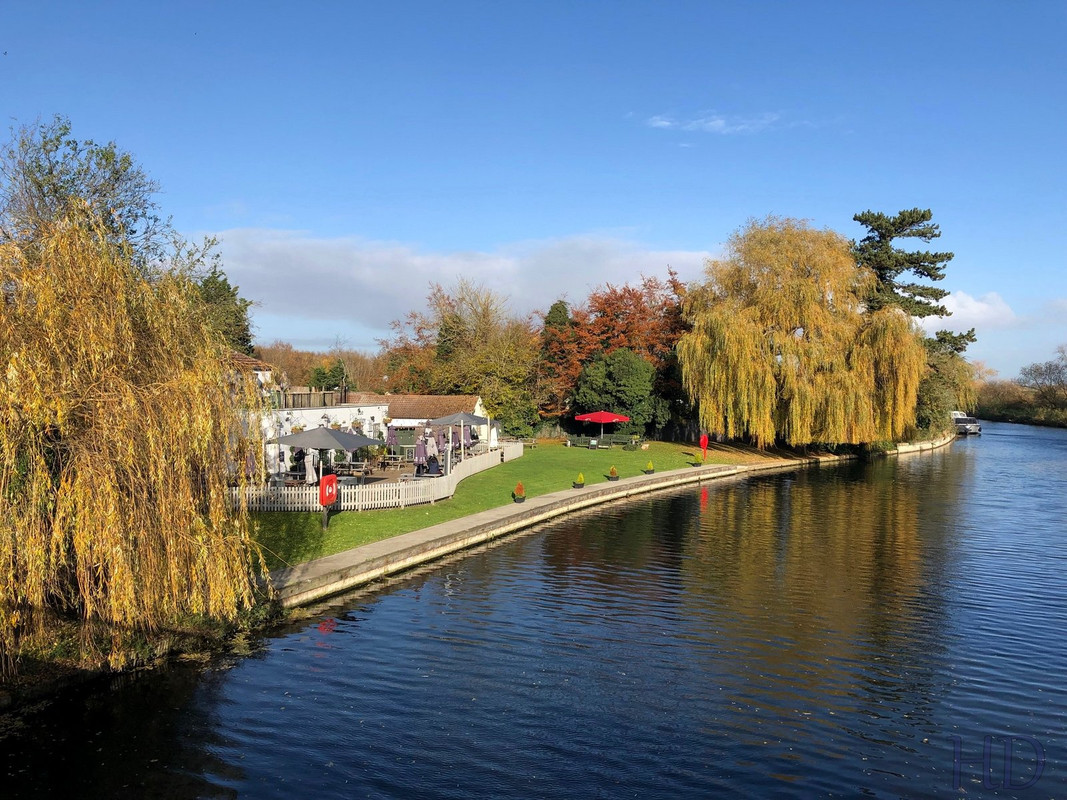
(1042, 417)
(317, 579)
(292, 538)
(321, 578)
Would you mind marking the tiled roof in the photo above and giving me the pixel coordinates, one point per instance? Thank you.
(367, 399)
(241, 361)
(429, 406)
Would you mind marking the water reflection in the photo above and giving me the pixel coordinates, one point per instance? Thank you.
(822, 632)
(145, 736)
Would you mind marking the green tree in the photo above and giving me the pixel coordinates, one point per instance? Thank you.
(331, 376)
(876, 252)
(779, 346)
(226, 310)
(46, 174)
(622, 382)
(948, 383)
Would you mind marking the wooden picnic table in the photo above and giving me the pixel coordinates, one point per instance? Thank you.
(351, 468)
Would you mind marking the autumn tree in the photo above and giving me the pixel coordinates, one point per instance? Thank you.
(1047, 380)
(364, 372)
(645, 318)
(122, 423)
(468, 343)
(292, 367)
(780, 346)
(560, 361)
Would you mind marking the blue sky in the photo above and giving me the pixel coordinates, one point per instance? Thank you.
(347, 154)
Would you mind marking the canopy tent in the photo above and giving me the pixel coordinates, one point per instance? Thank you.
(464, 420)
(602, 417)
(460, 418)
(326, 439)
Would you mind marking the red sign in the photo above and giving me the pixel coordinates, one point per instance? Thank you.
(328, 490)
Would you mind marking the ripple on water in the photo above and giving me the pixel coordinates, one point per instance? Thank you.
(822, 633)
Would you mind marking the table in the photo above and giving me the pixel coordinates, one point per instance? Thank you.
(349, 468)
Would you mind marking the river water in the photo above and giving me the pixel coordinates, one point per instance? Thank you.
(889, 629)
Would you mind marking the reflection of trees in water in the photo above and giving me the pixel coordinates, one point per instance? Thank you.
(627, 550)
(804, 575)
(630, 535)
(822, 575)
(150, 735)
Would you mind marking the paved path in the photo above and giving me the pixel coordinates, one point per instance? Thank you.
(323, 577)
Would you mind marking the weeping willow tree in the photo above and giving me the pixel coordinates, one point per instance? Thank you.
(780, 349)
(123, 425)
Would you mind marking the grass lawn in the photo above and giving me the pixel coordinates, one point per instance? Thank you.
(291, 538)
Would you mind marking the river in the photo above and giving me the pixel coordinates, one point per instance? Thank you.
(885, 629)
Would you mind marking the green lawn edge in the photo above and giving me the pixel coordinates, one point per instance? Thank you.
(290, 538)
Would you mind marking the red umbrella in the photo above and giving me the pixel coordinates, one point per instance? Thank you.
(601, 417)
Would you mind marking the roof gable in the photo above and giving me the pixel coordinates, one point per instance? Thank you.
(244, 362)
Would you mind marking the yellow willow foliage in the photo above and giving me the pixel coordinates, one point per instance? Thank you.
(123, 423)
(892, 360)
(779, 347)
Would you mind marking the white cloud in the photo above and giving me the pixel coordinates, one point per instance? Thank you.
(717, 123)
(987, 312)
(661, 122)
(310, 288)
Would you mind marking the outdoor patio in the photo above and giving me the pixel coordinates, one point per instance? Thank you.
(394, 487)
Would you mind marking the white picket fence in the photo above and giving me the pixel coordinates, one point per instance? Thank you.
(383, 494)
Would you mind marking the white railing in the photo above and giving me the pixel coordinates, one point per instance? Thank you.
(391, 494)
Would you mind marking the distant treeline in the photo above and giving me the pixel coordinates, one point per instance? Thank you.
(1037, 397)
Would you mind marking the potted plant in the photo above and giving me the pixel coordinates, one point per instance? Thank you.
(519, 495)
(578, 484)
(613, 474)
(649, 469)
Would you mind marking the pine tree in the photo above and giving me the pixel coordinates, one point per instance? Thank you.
(876, 252)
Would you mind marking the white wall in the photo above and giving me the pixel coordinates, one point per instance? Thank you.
(369, 416)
